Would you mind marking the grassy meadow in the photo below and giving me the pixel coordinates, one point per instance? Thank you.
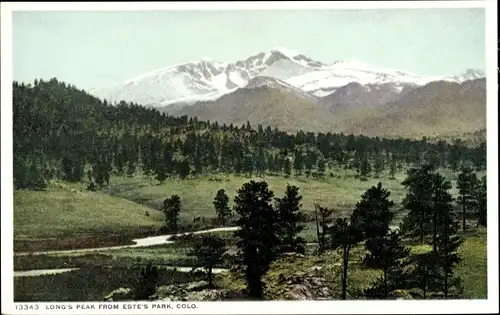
(66, 216)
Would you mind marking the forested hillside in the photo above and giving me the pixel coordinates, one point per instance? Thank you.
(65, 133)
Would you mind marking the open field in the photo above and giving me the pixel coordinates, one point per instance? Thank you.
(340, 192)
(67, 216)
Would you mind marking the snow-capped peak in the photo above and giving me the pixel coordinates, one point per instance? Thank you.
(285, 51)
(207, 78)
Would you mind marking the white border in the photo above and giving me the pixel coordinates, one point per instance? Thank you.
(295, 307)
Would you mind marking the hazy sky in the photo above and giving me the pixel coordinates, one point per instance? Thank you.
(92, 49)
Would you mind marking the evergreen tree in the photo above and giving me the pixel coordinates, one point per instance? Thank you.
(388, 256)
(373, 214)
(392, 168)
(378, 165)
(466, 184)
(480, 201)
(183, 168)
(221, 206)
(446, 241)
(323, 218)
(289, 220)
(425, 275)
(441, 207)
(364, 169)
(100, 173)
(198, 164)
(418, 202)
(257, 239)
(209, 251)
(309, 163)
(172, 208)
(344, 234)
(287, 167)
(321, 167)
(298, 162)
(248, 166)
(260, 162)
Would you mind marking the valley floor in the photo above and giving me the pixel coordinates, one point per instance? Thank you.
(66, 216)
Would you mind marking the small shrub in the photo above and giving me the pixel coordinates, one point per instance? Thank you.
(147, 282)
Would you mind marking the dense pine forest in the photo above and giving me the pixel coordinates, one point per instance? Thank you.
(61, 132)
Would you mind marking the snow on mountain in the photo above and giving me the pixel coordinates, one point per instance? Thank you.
(326, 80)
(207, 79)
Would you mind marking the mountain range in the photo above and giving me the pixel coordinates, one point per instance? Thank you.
(291, 91)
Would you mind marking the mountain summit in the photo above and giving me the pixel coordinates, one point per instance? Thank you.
(207, 79)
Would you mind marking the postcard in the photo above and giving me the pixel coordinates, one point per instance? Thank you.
(249, 157)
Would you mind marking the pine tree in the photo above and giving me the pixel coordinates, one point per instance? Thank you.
(248, 166)
(446, 241)
(388, 256)
(172, 208)
(373, 214)
(209, 251)
(198, 164)
(287, 167)
(298, 162)
(425, 275)
(321, 167)
(221, 206)
(289, 219)
(418, 201)
(344, 234)
(183, 168)
(378, 165)
(260, 162)
(466, 184)
(392, 168)
(364, 169)
(257, 239)
(480, 202)
(323, 218)
(309, 163)
(441, 207)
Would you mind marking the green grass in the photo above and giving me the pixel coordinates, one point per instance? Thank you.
(473, 269)
(197, 194)
(60, 213)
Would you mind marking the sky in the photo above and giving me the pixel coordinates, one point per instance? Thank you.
(92, 49)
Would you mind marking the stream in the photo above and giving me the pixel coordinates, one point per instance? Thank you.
(140, 242)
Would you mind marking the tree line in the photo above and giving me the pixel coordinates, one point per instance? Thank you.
(61, 132)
